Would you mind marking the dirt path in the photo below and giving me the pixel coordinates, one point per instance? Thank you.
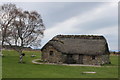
(34, 61)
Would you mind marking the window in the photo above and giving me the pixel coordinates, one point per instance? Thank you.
(51, 53)
(93, 57)
(70, 55)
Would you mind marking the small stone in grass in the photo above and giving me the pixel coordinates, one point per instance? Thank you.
(33, 55)
(89, 72)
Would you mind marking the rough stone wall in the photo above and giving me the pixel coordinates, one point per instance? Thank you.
(55, 58)
(105, 59)
(87, 60)
(60, 58)
(99, 60)
(64, 57)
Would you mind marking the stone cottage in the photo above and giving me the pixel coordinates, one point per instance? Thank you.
(76, 49)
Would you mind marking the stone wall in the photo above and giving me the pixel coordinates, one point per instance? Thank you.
(99, 60)
(55, 57)
(59, 58)
(106, 59)
(87, 59)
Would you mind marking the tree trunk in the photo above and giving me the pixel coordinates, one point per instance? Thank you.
(21, 58)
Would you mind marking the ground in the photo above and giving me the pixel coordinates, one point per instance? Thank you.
(12, 69)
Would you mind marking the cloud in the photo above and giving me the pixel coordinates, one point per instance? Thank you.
(78, 18)
(111, 34)
(74, 24)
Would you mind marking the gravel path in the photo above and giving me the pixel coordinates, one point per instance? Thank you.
(34, 61)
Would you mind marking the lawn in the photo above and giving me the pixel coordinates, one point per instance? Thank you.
(12, 69)
(0, 67)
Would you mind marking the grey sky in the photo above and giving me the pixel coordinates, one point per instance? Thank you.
(99, 18)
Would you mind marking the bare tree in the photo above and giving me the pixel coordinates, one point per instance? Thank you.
(23, 28)
(7, 14)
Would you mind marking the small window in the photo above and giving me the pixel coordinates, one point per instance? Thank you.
(51, 53)
(71, 56)
(93, 57)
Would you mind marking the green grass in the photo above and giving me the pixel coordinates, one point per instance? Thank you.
(0, 67)
(12, 69)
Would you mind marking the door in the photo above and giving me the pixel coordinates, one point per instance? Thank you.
(70, 59)
(80, 59)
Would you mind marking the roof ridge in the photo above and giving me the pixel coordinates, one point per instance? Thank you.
(80, 36)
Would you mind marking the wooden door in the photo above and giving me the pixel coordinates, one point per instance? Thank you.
(70, 59)
(80, 59)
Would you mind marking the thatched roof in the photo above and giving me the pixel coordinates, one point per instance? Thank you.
(79, 44)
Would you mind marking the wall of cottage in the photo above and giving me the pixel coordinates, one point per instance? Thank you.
(59, 58)
(97, 60)
(90, 60)
(51, 55)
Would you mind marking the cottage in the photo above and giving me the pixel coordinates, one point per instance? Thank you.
(76, 49)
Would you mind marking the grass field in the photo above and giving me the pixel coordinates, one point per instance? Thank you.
(12, 69)
(0, 67)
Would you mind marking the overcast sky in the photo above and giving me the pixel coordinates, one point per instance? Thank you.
(84, 18)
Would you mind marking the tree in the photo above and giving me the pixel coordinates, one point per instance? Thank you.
(7, 14)
(20, 28)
